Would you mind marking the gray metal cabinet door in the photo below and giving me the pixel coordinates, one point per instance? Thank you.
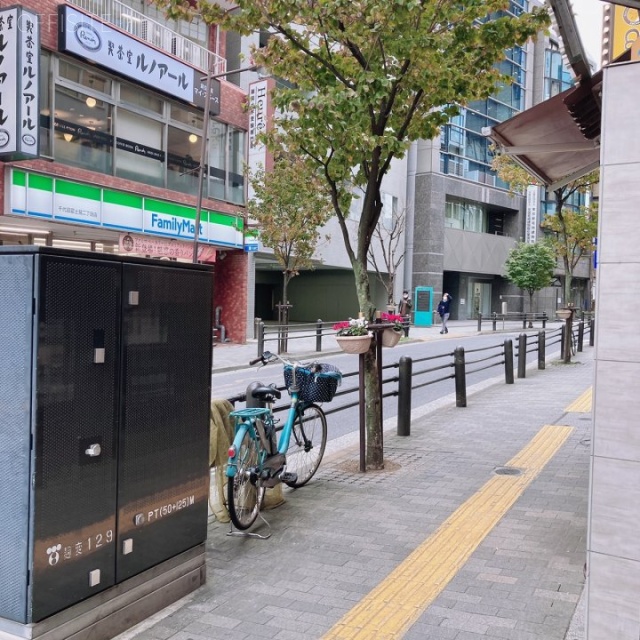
(163, 473)
(78, 350)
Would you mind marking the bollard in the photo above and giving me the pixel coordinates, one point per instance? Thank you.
(479, 323)
(542, 350)
(460, 377)
(256, 324)
(544, 319)
(580, 334)
(405, 365)
(522, 355)
(319, 335)
(524, 321)
(592, 328)
(508, 361)
(494, 321)
(260, 339)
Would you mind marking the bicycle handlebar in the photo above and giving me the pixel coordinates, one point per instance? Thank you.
(268, 356)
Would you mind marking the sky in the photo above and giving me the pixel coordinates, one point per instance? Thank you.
(589, 19)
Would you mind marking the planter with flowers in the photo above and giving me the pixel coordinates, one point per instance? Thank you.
(353, 336)
(391, 335)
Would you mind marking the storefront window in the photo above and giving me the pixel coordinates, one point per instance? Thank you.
(236, 166)
(183, 160)
(150, 139)
(139, 154)
(82, 130)
(217, 161)
(135, 97)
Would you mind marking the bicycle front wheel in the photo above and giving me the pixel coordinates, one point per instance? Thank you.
(307, 444)
(244, 495)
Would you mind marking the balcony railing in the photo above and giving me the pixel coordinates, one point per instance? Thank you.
(153, 32)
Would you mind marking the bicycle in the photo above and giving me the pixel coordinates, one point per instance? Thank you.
(258, 459)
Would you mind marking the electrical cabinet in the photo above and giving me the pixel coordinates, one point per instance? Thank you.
(105, 374)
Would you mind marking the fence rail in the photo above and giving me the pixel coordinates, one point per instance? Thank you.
(408, 379)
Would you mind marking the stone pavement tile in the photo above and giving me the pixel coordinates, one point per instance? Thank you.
(335, 539)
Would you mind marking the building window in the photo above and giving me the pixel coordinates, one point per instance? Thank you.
(82, 131)
(111, 126)
(467, 216)
(139, 154)
(235, 188)
(389, 210)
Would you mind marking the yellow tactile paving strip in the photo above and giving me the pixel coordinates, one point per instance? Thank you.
(390, 609)
(581, 404)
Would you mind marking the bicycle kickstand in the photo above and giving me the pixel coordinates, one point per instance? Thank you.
(251, 534)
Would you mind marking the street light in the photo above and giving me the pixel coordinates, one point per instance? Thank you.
(203, 148)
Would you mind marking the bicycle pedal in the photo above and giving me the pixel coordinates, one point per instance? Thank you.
(289, 478)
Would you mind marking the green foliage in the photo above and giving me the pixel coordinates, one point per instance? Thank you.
(530, 266)
(364, 79)
(290, 204)
(570, 233)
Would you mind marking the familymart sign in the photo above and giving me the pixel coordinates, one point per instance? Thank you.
(45, 197)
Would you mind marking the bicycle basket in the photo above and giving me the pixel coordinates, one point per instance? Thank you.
(319, 385)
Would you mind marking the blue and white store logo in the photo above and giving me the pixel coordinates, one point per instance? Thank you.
(87, 36)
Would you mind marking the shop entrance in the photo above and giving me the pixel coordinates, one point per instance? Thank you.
(480, 295)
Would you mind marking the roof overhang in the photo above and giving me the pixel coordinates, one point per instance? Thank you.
(558, 140)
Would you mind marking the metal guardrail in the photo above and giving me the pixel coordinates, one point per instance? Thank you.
(458, 367)
(527, 319)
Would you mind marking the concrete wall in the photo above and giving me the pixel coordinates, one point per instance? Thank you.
(614, 519)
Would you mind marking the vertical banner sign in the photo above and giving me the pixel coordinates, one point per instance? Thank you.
(19, 84)
(258, 103)
(531, 219)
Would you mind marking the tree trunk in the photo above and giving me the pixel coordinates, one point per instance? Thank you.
(372, 391)
(568, 281)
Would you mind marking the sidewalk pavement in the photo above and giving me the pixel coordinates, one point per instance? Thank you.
(475, 530)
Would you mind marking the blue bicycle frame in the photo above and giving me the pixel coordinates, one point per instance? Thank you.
(245, 421)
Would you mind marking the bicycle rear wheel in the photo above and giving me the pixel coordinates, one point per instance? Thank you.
(307, 444)
(244, 496)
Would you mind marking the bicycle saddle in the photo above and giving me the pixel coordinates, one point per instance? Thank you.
(264, 393)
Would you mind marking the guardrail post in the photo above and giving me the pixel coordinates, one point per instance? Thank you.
(405, 365)
(508, 361)
(260, 328)
(542, 350)
(479, 322)
(319, 324)
(522, 355)
(580, 334)
(460, 377)
(494, 319)
(544, 319)
(592, 328)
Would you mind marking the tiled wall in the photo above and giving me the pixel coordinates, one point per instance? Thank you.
(613, 604)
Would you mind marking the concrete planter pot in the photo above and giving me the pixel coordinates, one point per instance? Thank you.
(354, 344)
(391, 337)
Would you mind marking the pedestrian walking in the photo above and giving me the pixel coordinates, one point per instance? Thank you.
(443, 311)
(404, 310)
